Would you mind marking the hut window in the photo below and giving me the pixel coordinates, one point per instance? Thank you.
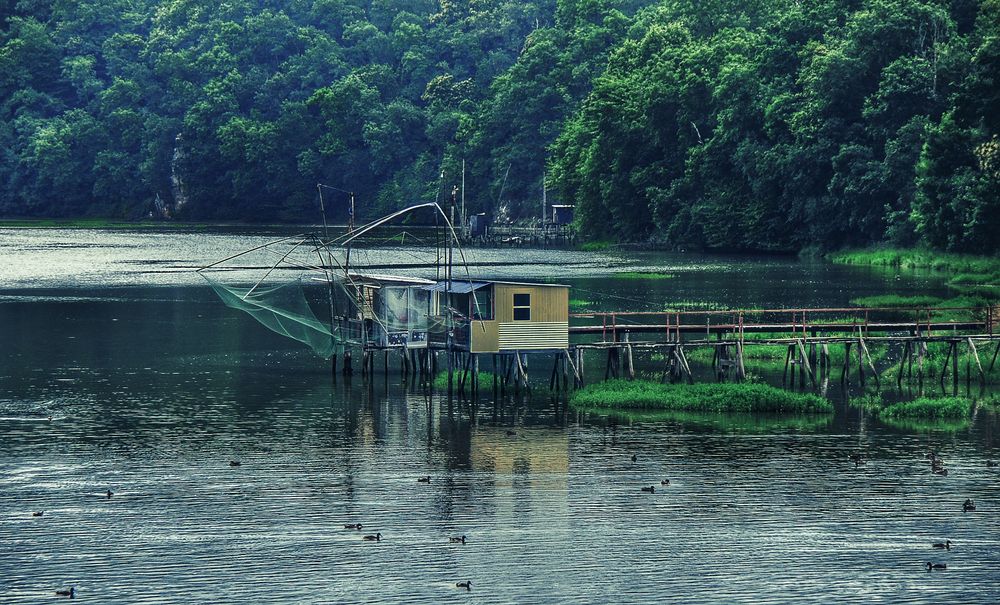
(482, 304)
(522, 307)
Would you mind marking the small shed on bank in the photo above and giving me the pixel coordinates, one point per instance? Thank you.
(562, 214)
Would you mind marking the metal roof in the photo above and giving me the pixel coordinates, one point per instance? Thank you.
(457, 286)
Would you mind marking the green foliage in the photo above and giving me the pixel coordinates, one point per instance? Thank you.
(922, 408)
(722, 124)
(441, 380)
(976, 277)
(643, 275)
(895, 300)
(744, 397)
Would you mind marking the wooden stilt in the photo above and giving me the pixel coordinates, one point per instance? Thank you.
(845, 372)
(954, 368)
(805, 361)
(944, 367)
(979, 365)
(871, 363)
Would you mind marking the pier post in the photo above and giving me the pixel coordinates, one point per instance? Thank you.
(845, 372)
(348, 369)
(979, 365)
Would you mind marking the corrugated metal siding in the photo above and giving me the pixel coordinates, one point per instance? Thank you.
(526, 335)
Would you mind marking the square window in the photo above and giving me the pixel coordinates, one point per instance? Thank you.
(522, 307)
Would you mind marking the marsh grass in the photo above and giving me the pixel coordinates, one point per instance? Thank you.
(720, 397)
(922, 408)
(441, 380)
(972, 275)
(596, 246)
(638, 275)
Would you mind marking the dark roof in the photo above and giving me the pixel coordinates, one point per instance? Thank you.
(457, 286)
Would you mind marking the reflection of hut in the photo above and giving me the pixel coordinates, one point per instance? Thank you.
(496, 316)
(540, 451)
(562, 214)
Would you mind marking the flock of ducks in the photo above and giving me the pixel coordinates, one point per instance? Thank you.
(937, 467)
(377, 537)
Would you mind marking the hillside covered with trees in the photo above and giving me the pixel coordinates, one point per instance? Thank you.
(722, 124)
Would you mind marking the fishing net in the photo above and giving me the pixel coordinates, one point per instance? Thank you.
(285, 309)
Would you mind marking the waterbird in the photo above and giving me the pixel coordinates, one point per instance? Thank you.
(375, 538)
(234, 463)
(66, 593)
(940, 471)
(651, 489)
(460, 540)
(665, 482)
(931, 566)
(38, 514)
(633, 458)
(946, 545)
(968, 505)
(990, 463)
(466, 585)
(511, 433)
(353, 526)
(109, 494)
(424, 479)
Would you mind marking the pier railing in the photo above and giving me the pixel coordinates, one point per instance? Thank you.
(613, 326)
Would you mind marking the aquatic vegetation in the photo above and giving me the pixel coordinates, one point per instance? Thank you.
(596, 246)
(578, 304)
(920, 408)
(974, 275)
(441, 380)
(643, 275)
(742, 397)
(929, 407)
(895, 300)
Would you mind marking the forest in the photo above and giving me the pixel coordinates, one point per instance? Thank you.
(754, 125)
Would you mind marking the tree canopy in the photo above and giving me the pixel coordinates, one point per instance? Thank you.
(750, 125)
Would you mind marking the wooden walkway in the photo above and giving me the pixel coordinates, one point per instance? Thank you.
(807, 334)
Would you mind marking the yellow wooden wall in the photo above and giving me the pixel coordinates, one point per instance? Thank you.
(548, 303)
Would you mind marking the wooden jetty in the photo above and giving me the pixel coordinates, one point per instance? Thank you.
(808, 335)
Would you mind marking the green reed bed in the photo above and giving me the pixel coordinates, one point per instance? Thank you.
(639, 275)
(926, 408)
(649, 395)
(441, 380)
(972, 275)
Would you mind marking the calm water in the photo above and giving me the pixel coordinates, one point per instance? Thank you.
(153, 386)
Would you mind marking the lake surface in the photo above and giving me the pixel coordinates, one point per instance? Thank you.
(153, 386)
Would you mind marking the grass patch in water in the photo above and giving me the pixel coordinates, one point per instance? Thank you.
(720, 397)
(596, 246)
(577, 305)
(895, 300)
(975, 275)
(441, 380)
(918, 425)
(922, 408)
(643, 275)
